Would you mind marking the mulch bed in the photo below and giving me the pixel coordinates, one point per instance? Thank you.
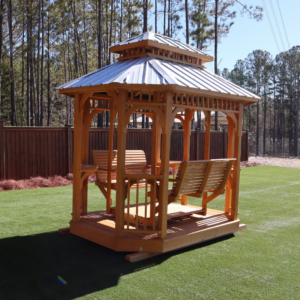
(56, 181)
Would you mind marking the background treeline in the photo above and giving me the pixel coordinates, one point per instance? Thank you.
(44, 43)
(274, 121)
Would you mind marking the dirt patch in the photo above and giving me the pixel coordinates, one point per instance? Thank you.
(290, 162)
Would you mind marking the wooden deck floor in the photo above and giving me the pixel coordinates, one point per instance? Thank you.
(99, 227)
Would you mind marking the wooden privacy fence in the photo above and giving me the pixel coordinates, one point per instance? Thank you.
(42, 151)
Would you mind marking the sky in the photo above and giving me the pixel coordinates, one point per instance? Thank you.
(247, 35)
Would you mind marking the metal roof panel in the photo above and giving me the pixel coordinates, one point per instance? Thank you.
(151, 70)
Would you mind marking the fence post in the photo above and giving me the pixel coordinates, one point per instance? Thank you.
(69, 146)
(2, 151)
(247, 145)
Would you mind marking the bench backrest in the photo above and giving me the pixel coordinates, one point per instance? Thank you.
(135, 163)
(196, 177)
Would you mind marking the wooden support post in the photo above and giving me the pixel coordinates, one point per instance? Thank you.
(186, 145)
(230, 146)
(2, 152)
(110, 151)
(198, 144)
(85, 153)
(207, 134)
(237, 168)
(165, 158)
(69, 147)
(158, 144)
(78, 116)
(154, 137)
(122, 130)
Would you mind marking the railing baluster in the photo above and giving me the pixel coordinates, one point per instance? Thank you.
(128, 202)
(137, 206)
(153, 204)
(145, 219)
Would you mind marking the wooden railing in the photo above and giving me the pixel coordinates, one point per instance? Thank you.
(139, 214)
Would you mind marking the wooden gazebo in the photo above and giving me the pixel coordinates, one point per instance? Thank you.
(164, 79)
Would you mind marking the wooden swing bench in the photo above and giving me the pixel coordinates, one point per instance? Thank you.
(194, 179)
(135, 163)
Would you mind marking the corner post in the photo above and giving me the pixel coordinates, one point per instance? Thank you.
(78, 118)
(85, 153)
(69, 149)
(154, 136)
(165, 158)
(110, 150)
(230, 146)
(2, 151)
(237, 168)
(122, 131)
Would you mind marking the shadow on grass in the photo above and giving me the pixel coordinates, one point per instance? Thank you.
(30, 266)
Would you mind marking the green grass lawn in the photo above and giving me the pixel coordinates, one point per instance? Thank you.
(261, 262)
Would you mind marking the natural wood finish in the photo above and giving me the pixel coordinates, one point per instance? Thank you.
(207, 134)
(165, 157)
(236, 168)
(120, 189)
(85, 155)
(164, 57)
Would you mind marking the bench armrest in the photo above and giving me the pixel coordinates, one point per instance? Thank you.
(106, 169)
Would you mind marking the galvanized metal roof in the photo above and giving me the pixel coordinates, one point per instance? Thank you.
(163, 40)
(150, 70)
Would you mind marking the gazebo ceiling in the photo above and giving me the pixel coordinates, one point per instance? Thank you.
(154, 71)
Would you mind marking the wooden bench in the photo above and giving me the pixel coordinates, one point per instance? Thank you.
(194, 179)
(135, 163)
(197, 178)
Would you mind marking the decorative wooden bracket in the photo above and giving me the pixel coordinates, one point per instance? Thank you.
(86, 170)
(83, 99)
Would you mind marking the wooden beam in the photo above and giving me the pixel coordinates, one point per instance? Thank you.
(207, 134)
(110, 151)
(154, 136)
(78, 118)
(120, 191)
(186, 145)
(237, 168)
(165, 158)
(85, 154)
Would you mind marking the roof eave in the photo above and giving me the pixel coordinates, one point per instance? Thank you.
(70, 92)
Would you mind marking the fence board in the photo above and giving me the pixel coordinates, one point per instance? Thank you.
(42, 151)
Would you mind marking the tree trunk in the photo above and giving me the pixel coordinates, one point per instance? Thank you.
(145, 16)
(31, 67)
(48, 67)
(216, 53)
(100, 22)
(28, 65)
(265, 117)
(111, 27)
(85, 41)
(187, 22)
(23, 68)
(12, 76)
(1, 44)
(121, 21)
(155, 15)
(165, 11)
(42, 69)
(38, 68)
